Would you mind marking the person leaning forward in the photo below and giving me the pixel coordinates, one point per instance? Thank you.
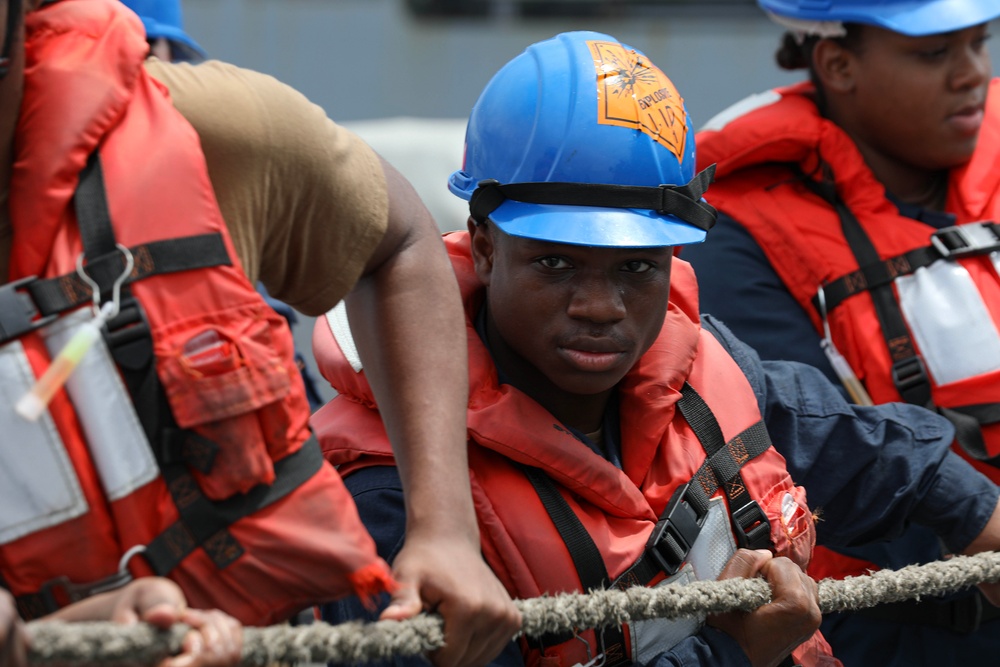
(600, 398)
(180, 445)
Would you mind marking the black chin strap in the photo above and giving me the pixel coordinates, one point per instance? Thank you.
(682, 201)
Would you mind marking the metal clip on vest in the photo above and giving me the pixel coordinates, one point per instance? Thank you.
(675, 533)
(36, 401)
(60, 591)
(974, 238)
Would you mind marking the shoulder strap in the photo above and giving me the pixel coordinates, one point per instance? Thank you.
(908, 372)
(681, 521)
(909, 375)
(586, 558)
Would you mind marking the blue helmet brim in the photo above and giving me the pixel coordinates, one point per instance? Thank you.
(594, 226)
(916, 18)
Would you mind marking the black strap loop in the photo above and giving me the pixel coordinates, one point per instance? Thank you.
(909, 376)
(682, 201)
(724, 460)
(970, 239)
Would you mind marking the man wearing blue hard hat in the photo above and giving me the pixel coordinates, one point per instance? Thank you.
(857, 234)
(164, 23)
(616, 436)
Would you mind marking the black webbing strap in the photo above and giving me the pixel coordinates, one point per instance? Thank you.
(968, 421)
(875, 275)
(967, 240)
(91, 203)
(724, 460)
(908, 372)
(586, 558)
(56, 295)
(681, 201)
(678, 527)
(205, 523)
(129, 339)
(30, 303)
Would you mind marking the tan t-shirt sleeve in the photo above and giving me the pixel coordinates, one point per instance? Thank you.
(304, 199)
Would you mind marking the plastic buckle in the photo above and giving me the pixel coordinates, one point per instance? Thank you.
(974, 238)
(908, 375)
(753, 530)
(966, 614)
(674, 534)
(18, 313)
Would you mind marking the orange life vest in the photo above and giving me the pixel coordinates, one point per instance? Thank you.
(944, 351)
(212, 472)
(515, 445)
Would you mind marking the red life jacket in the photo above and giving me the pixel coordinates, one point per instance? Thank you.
(212, 471)
(941, 348)
(514, 442)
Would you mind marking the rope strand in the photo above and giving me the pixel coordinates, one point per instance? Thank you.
(109, 644)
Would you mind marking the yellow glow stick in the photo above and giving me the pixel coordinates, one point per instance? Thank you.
(34, 403)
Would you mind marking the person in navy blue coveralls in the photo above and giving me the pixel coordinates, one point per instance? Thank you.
(873, 470)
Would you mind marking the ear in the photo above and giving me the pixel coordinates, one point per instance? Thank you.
(483, 249)
(835, 66)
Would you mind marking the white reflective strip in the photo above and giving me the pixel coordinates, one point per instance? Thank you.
(741, 108)
(38, 486)
(710, 552)
(949, 321)
(341, 328)
(117, 443)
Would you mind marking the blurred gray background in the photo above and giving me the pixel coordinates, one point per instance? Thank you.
(405, 73)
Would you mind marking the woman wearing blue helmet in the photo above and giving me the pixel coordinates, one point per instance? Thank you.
(856, 233)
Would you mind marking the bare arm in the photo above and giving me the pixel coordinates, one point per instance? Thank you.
(407, 319)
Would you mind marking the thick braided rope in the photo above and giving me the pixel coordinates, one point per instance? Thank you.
(109, 644)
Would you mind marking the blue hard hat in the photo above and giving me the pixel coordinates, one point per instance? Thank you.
(908, 17)
(582, 140)
(163, 18)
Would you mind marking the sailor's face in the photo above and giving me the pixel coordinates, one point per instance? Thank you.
(581, 316)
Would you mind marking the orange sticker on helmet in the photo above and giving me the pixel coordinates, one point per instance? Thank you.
(632, 92)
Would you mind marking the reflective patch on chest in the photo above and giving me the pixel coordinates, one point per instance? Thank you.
(711, 551)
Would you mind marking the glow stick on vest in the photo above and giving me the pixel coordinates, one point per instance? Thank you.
(33, 404)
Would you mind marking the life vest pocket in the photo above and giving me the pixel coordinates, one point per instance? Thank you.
(226, 378)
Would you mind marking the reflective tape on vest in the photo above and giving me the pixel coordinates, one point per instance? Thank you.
(116, 439)
(38, 486)
(950, 321)
(711, 551)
